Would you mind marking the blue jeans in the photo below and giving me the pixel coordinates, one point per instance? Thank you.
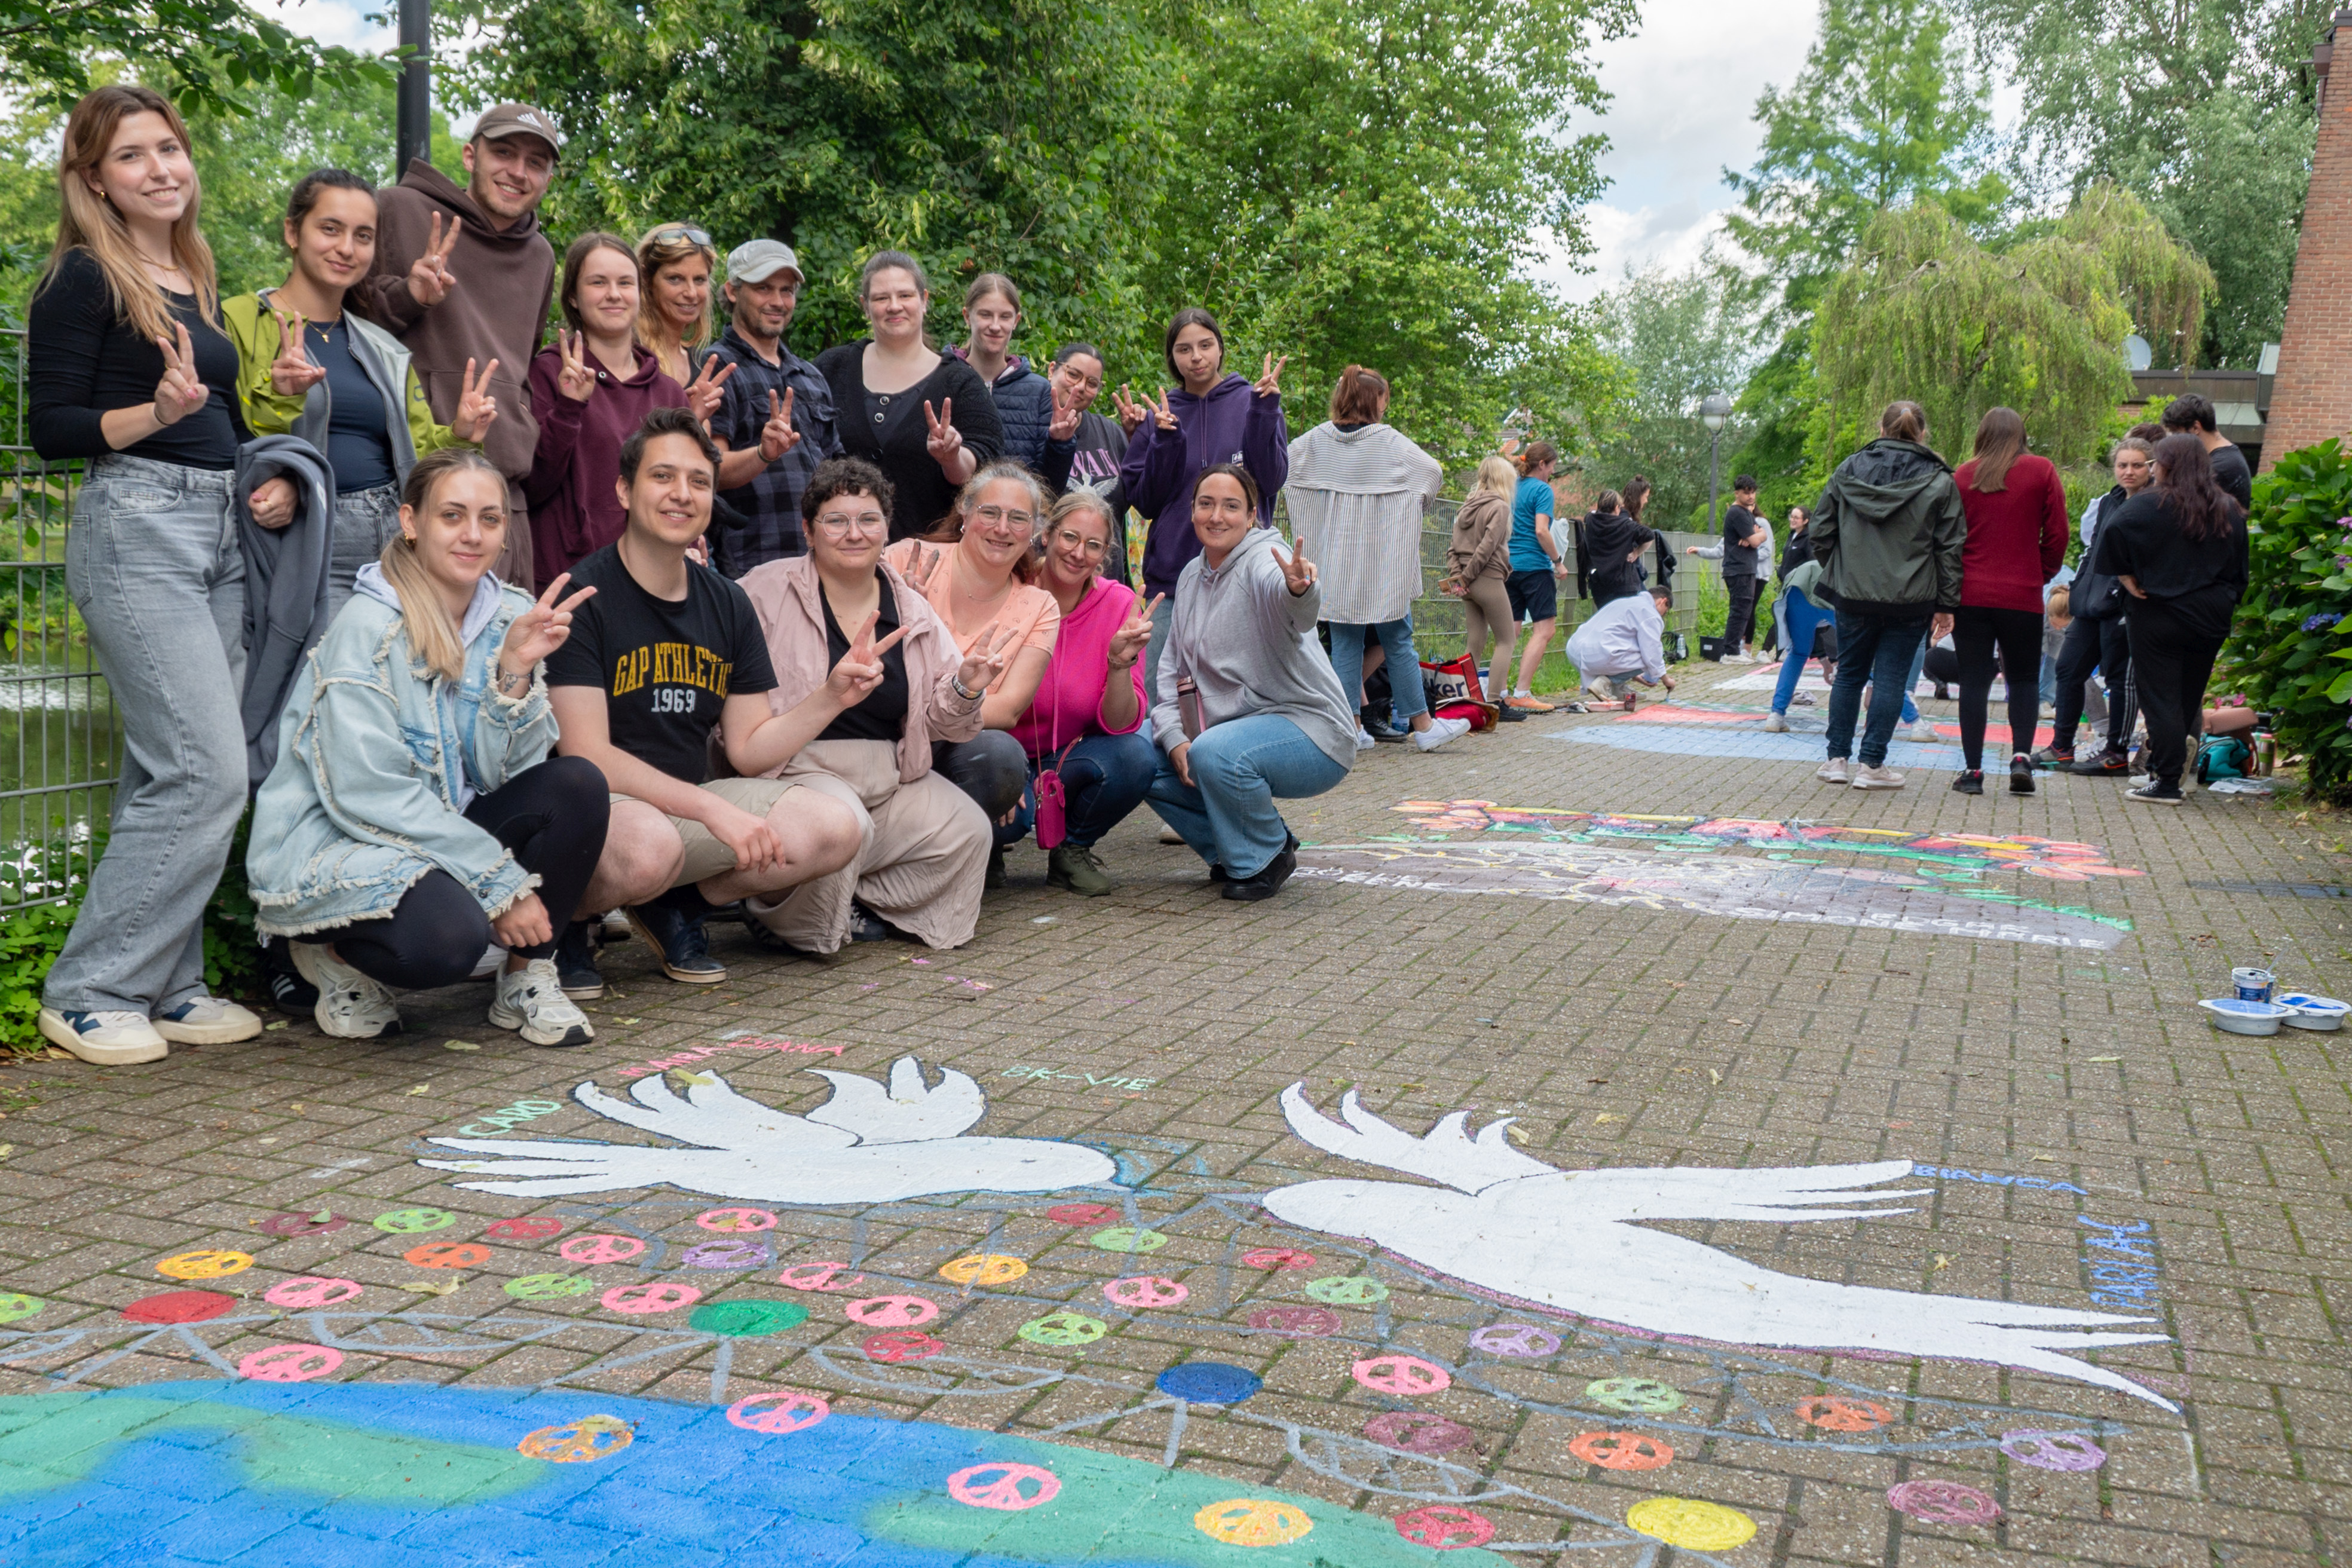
(1911, 683)
(1797, 619)
(1103, 777)
(1239, 768)
(1876, 651)
(1406, 697)
(153, 565)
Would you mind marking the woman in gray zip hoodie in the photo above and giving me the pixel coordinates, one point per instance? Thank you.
(1245, 707)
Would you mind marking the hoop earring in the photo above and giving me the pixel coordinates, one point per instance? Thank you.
(408, 539)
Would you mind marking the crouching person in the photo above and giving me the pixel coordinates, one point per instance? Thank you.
(417, 812)
(1624, 643)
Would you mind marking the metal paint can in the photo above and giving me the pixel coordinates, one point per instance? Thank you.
(2254, 985)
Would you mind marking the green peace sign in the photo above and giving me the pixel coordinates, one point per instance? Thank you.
(1063, 1329)
(1129, 1238)
(414, 1222)
(549, 1287)
(13, 1306)
(1348, 1290)
(1631, 1393)
(747, 1319)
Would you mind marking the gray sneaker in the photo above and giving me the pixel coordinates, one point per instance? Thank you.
(1601, 687)
(1775, 723)
(1835, 770)
(1881, 777)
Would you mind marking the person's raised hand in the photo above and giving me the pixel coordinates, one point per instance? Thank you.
(945, 441)
(779, 434)
(1164, 413)
(921, 562)
(181, 391)
(272, 503)
(292, 373)
(986, 659)
(753, 843)
(429, 278)
(1065, 423)
(1269, 382)
(1132, 636)
(861, 669)
(541, 629)
(576, 380)
(476, 406)
(1131, 414)
(525, 924)
(708, 389)
(1297, 571)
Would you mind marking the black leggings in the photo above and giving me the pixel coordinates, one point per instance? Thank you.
(1975, 630)
(2172, 658)
(552, 818)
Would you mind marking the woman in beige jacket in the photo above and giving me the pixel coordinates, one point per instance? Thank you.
(845, 630)
(1477, 562)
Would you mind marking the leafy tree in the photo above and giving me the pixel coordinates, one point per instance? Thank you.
(1681, 335)
(2292, 636)
(208, 53)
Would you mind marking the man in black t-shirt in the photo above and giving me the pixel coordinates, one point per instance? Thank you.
(665, 653)
(2191, 414)
(1743, 534)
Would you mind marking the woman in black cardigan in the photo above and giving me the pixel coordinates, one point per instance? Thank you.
(927, 422)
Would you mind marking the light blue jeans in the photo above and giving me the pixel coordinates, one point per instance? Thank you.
(1406, 697)
(153, 565)
(1239, 769)
(365, 521)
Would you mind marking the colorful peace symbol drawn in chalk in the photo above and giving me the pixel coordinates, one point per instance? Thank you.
(1063, 1329)
(822, 1275)
(983, 1268)
(773, 1415)
(1445, 1528)
(290, 1363)
(901, 1344)
(1403, 1374)
(533, 1227)
(14, 1307)
(1003, 1486)
(1141, 1291)
(1520, 1339)
(179, 1307)
(744, 1252)
(204, 1265)
(736, 1219)
(1629, 1394)
(1834, 1414)
(1621, 1450)
(292, 1224)
(1209, 1383)
(1348, 1290)
(412, 1222)
(1943, 1502)
(577, 1442)
(2053, 1450)
(549, 1287)
(599, 1248)
(1687, 1521)
(891, 1311)
(447, 1255)
(1129, 1238)
(1417, 1432)
(1082, 1213)
(746, 1319)
(1277, 1257)
(1253, 1522)
(654, 1296)
(1304, 1322)
(309, 1292)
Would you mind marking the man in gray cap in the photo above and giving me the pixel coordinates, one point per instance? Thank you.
(466, 275)
(775, 423)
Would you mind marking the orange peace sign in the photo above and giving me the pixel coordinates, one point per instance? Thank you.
(447, 1255)
(589, 1437)
(1620, 1451)
(983, 1268)
(1253, 1522)
(1834, 1414)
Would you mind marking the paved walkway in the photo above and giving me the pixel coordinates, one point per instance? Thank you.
(1847, 1178)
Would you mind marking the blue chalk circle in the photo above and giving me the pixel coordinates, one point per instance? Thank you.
(1210, 1382)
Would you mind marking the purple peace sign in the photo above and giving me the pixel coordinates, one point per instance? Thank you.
(1524, 1341)
(2053, 1450)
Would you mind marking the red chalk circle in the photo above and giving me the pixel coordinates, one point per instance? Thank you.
(310, 1291)
(1083, 1214)
(736, 1219)
(901, 1344)
(597, 1249)
(1621, 1450)
(1277, 1257)
(1302, 1323)
(659, 1296)
(1843, 1415)
(821, 1276)
(290, 1363)
(891, 1311)
(1417, 1433)
(773, 1415)
(179, 1307)
(999, 1485)
(1445, 1528)
(1143, 1291)
(1943, 1502)
(537, 1227)
(1407, 1375)
(447, 1255)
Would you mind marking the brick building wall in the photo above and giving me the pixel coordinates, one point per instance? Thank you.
(2312, 399)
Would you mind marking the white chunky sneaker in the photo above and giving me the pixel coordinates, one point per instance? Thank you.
(351, 1005)
(1923, 733)
(1834, 771)
(1440, 730)
(1364, 741)
(1775, 723)
(1877, 778)
(108, 1039)
(207, 1021)
(1602, 687)
(531, 1002)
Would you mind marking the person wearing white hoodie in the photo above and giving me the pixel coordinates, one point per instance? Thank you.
(1245, 707)
(1623, 640)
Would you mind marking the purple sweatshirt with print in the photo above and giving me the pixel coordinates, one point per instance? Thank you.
(1230, 424)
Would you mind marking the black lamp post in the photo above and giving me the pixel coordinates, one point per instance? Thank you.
(416, 135)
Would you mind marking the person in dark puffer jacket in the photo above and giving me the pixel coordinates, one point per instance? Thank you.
(1037, 435)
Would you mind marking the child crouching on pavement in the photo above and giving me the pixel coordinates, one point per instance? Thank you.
(1624, 639)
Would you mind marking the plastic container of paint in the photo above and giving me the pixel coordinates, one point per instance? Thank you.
(2240, 1016)
(2313, 1012)
(2254, 985)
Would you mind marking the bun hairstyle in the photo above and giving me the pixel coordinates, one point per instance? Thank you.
(2001, 440)
(576, 257)
(1358, 397)
(317, 183)
(1534, 455)
(1904, 421)
(988, 283)
(1191, 316)
(1498, 475)
(433, 635)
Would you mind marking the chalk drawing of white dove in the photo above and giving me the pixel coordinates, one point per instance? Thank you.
(866, 1144)
(1573, 1241)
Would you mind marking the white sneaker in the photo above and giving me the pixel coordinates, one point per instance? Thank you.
(1877, 778)
(1775, 723)
(1738, 659)
(1599, 687)
(1440, 730)
(108, 1039)
(530, 1001)
(1835, 772)
(1170, 835)
(207, 1021)
(1923, 732)
(351, 1005)
(1364, 741)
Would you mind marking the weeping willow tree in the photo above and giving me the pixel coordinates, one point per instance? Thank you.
(2161, 283)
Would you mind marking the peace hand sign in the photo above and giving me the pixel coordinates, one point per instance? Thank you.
(429, 278)
(705, 391)
(1269, 384)
(1297, 571)
(779, 434)
(1164, 413)
(575, 380)
(861, 668)
(1130, 413)
(292, 373)
(986, 659)
(476, 407)
(921, 562)
(180, 392)
(541, 629)
(1130, 639)
(945, 441)
(1065, 423)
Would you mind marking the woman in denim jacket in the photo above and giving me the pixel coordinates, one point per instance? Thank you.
(418, 811)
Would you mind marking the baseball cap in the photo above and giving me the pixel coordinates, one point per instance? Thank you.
(506, 119)
(757, 260)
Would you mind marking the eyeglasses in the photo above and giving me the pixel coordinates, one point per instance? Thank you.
(678, 231)
(1083, 545)
(997, 517)
(833, 525)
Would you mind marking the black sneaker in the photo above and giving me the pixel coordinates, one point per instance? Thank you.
(996, 877)
(1507, 714)
(1269, 880)
(865, 925)
(1971, 783)
(289, 991)
(2053, 757)
(2020, 774)
(575, 962)
(2105, 766)
(678, 936)
(2156, 791)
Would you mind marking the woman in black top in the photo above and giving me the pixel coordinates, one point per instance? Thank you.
(927, 422)
(2178, 548)
(132, 374)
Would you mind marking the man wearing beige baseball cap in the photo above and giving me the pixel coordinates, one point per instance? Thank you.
(466, 275)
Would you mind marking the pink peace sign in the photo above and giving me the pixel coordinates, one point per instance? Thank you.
(1277, 1257)
(901, 1344)
(1144, 1290)
(1943, 1502)
(891, 1311)
(290, 1363)
(600, 1248)
(772, 1415)
(1445, 1528)
(820, 1276)
(1083, 1214)
(654, 1295)
(999, 1485)
(309, 1292)
(534, 1227)
(736, 1219)
(1405, 1374)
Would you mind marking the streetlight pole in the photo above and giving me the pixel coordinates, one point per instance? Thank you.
(416, 133)
(1714, 412)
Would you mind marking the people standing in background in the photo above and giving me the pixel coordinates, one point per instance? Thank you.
(1744, 539)
(1635, 501)
(1098, 449)
(468, 275)
(2096, 638)
(1795, 549)
(1537, 568)
(1357, 490)
(1478, 560)
(1612, 541)
(1039, 434)
(130, 371)
(2016, 510)
(775, 421)
(674, 264)
(926, 420)
(2191, 414)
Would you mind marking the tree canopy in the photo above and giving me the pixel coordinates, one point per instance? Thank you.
(205, 54)
(1680, 336)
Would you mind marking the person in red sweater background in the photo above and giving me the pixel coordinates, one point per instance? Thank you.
(2016, 542)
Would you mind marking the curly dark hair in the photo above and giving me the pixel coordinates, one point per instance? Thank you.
(844, 477)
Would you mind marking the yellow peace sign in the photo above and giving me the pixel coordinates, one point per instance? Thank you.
(1253, 1522)
(1686, 1521)
(983, 1268)
(204, 1265)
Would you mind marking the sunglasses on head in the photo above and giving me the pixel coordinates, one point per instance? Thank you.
(679, 231)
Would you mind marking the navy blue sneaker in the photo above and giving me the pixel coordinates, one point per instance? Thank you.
(677, 937)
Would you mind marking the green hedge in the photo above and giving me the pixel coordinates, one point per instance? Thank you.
(2292, 639)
